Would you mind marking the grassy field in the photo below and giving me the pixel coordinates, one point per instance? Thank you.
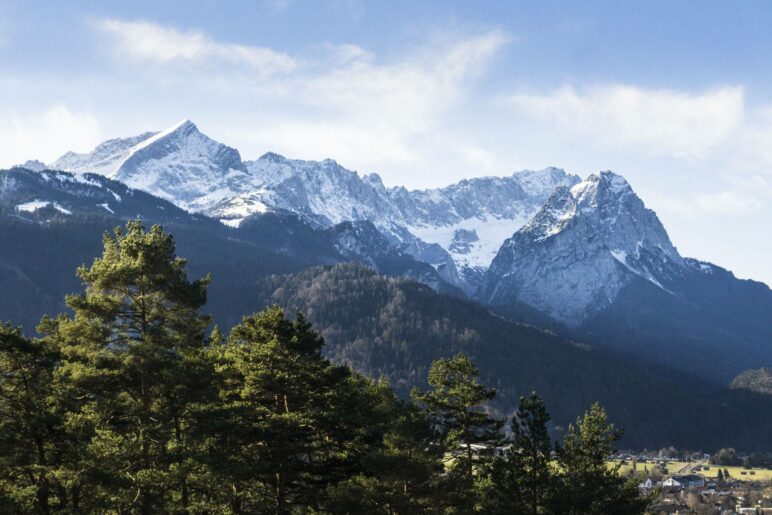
(682, 467)
(673, 467)
(739, 473)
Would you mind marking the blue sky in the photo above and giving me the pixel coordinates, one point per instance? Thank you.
(676, 96)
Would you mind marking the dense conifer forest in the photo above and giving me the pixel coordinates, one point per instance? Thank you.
(396, 328)
(129, 403)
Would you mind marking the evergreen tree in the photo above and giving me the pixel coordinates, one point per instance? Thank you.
(455, 404)
(30, 426)
(299, 423)
(523, 479)
(399, 476)
(133, 369)
(587, 485)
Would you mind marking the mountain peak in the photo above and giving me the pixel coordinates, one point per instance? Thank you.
(186, 123)
(273, 157)
(600, 188)
(184, 128)
(33, 165)
(613, 180)
(543, 182)
(330, 163)
(578, 252)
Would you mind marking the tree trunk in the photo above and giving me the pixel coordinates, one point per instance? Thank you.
(184, 494)
(235, 503)
(281, 493)
(42, 490)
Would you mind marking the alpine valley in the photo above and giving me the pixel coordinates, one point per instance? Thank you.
(550, 281)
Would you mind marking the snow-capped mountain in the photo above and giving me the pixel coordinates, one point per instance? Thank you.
(600, 263)
(466, 222)
(457, 229)
(472, 218)
(581, 248)
(586, 256)
(180, 164)
(105, 159)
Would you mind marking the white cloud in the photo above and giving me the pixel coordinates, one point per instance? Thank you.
(405, 95)
(45, 135)
(374, 115)
(655, 121)
(146, 41)
(342, 100)
(754, 143)
(347, 54)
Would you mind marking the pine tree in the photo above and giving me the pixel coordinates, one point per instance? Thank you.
(30, 426)
(133, 366)
(523, 478)
(587, 485)
(399, 475)
(300, 424)
(455, 404)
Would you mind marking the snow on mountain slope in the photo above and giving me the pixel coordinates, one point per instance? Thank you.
(104, 159)
(468, 221)
(45, 195)
(33, 164)
(581, 249)
(34, 205)
(458, 229)
(180, 164)
(322, 189)
(185, 167)
(471, 219)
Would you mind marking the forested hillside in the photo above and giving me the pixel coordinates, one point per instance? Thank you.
(395, 328)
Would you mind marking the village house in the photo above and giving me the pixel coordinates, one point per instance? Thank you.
(680, 482)
(648, 485)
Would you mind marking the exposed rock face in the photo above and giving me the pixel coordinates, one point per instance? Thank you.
(758, 380)
(600, 263)
(462, 241)
(580, 250)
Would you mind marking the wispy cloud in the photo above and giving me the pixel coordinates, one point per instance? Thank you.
(656, 121)
(343, 100)
(374, 113)
(713, 133)
(407, 92)
(147, 41)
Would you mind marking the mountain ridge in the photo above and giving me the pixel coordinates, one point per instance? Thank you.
(586, 255)
(457, 228)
